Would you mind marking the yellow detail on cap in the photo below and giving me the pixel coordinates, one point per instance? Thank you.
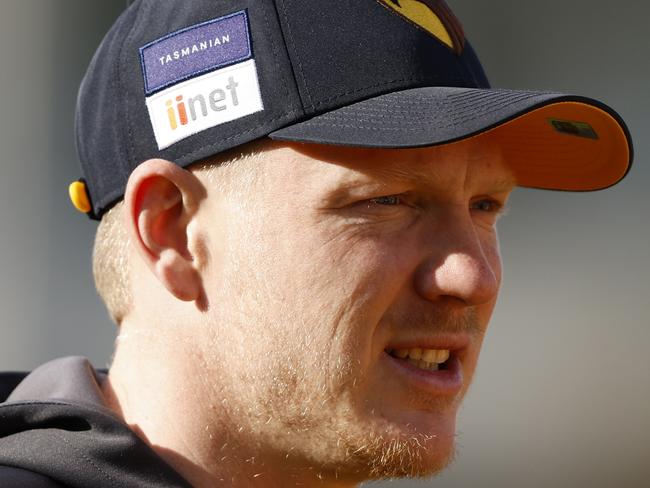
(79, 196)
(423, 16)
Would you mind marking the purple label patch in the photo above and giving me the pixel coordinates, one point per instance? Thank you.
(187, 53)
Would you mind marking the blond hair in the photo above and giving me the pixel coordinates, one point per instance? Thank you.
(111, 268)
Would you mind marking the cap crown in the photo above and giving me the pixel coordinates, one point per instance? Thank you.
(306, 56)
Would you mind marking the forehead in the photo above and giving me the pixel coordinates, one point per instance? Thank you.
(474, 161)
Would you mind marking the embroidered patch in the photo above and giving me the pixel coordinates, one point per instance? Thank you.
(200, 77)
(580, 129)
(204, 102)
(434, 17)
(195, 50)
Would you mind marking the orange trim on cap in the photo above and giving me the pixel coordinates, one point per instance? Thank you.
(542, 156)
(79, 196)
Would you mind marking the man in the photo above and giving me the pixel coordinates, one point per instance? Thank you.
(297, 240)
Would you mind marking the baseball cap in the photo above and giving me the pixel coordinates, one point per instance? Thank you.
(185, 80)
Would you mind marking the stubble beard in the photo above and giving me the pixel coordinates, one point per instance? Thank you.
(339, 438)
(304, 414)
(314, 413)
(313, 423)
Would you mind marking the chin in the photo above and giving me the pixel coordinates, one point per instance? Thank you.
(398, 460)
(418, 446)
(417, 457)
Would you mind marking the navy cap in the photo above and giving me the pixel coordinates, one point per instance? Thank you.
(186, 80)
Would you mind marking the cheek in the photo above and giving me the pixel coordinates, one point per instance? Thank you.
(306, 290)
(341, 285)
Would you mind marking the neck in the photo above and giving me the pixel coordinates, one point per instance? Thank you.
(184, 418)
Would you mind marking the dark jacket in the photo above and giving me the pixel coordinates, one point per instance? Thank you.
(56, 431)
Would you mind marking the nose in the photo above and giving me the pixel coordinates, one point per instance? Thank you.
(462, 264)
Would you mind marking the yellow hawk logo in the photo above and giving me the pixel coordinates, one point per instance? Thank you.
(434, 17)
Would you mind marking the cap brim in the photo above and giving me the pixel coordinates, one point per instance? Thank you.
(550, 140)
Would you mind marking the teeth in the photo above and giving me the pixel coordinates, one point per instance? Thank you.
(430, 356)
(442, 356)
(430, 366)
(414, 362)
(400, 353)
(415, 353)
(422, 358)
(423, 364)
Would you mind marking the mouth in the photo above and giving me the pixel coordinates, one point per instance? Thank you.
(427, 359)
(436, 371)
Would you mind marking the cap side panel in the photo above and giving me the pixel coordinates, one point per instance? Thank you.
(278, 47)
(129, 162)
(473, 68)
(355, 50)
(101, 143)
(285, 26)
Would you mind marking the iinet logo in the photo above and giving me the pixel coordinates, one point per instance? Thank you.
(204, 102)
(197, 106)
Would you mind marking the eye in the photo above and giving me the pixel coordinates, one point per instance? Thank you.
(389, 200)
(487, 205)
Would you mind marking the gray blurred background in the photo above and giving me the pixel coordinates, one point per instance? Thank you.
(562, 395)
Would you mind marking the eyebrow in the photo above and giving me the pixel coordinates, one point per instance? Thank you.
(414, 175)
(411, 174)
(504, 184)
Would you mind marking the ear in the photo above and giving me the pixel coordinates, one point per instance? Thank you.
(161, 199)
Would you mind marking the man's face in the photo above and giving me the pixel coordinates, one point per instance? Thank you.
(319, 268)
